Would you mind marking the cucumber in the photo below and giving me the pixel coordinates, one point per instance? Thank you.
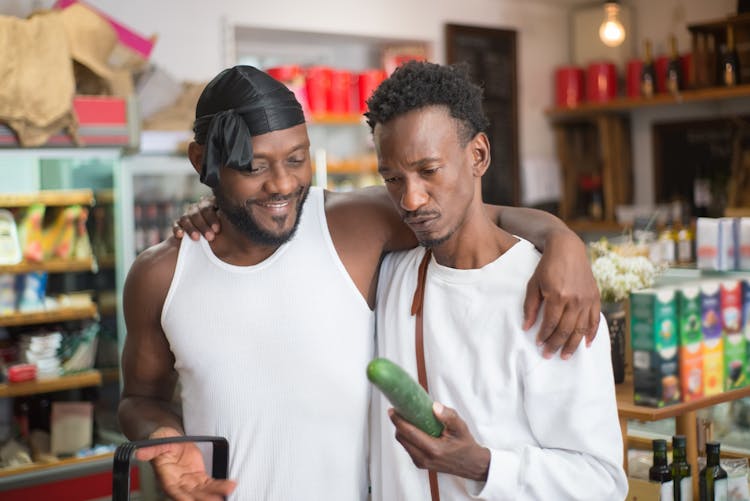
(405, 394)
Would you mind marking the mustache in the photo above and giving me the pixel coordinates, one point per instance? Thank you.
(419, 214)
(277, 197)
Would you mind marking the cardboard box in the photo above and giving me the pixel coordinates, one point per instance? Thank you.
(735, 351)
(653, 320)
(707, 243)
(690, 340)
(713, 343)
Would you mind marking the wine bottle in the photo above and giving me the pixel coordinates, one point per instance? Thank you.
(730, 64)
(683, 482)
(675, 80)
(648, 73)
(660, 472)
(713, 478)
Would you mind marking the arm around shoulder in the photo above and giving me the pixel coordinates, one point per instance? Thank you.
(147, 364)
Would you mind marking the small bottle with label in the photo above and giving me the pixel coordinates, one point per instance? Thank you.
(668, 246)
(714, 485)
(685, 244)
(683, 481)
(660, 472)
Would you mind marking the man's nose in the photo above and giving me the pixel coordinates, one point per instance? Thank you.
(414, 196)
(280, 181)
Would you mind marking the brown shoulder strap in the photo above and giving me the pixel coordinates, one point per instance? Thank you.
(417, 306)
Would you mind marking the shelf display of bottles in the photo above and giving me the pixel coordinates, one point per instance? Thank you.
(713, 478)
(660, 473)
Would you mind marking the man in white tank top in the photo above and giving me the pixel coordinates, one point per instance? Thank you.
(517, 427)
(268, 323)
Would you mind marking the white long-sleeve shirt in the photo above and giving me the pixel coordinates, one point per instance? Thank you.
(551, 425)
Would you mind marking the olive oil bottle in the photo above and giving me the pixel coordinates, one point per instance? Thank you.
(683, 481)
(660, 472)
(714, 485)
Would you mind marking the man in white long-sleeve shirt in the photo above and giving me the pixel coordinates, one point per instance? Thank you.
(516, 426)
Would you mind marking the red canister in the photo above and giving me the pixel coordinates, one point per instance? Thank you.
(318, 84)
(368, 81)
(293, 77)
(633, 72)
(340, 95)
(601, 82)
(569, 88)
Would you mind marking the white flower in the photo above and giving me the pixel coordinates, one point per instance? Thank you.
(618, 275)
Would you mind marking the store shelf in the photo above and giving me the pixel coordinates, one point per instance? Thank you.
(49, 316)
(106, 262)
(336, 119)
(48, 197)
(38, 467)
(586, 225)
(627, 409)
(50, 266)
(110, 374)
(104, 197)
(624, 104)
(48, 385)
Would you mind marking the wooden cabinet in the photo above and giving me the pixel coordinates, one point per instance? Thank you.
(60, 178)
(684, 414)
(596, 138)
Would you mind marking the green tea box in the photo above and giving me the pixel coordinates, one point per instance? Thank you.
(654, 329)
(735, 351)
(713, 339)
(690, 340)
(746, 324)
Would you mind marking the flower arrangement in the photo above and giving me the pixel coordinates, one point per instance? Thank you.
(618, 270)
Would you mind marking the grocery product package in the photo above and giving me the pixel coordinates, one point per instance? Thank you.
(59, 236)
(30, 221)
(30, 290)
(10, 250)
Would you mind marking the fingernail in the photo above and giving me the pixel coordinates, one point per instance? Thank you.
(565, 356)
(209, 236)
(215, 227)
(437, 408)
(539, 342)
(547, 355)
(390, 412)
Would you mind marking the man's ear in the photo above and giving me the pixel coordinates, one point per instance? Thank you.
(480, 154)
(195, 154)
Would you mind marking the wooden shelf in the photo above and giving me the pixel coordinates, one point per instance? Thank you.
(625, 104)
(106, 262)
(104, 197)
(34, 467)
(586, 225)
(48, 197)
(50, 266)
(49, 385)
(110, 374)
(628, 410)
(337, 119)
(49, 316)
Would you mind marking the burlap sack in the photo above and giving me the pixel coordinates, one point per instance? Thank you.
(92, 43)
(181, 114)
(36, 77)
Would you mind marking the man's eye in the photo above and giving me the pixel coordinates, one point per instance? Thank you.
(296, 161)
(390, 180)
(431, 171)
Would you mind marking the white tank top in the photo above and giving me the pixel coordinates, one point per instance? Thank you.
(273, 357)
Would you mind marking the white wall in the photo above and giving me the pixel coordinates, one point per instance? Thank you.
(190, 44)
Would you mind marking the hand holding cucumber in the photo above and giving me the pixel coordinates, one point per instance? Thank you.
(435, 436)
(405, 394)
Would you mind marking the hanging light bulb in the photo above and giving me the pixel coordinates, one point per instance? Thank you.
(611, 31)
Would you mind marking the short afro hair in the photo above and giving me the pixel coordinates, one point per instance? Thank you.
(417, 84)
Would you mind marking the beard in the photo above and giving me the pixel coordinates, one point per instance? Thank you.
(241, 217)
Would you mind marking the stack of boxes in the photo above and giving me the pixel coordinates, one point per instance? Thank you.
(690, 341)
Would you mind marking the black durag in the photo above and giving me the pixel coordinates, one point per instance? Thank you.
(239, 103)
